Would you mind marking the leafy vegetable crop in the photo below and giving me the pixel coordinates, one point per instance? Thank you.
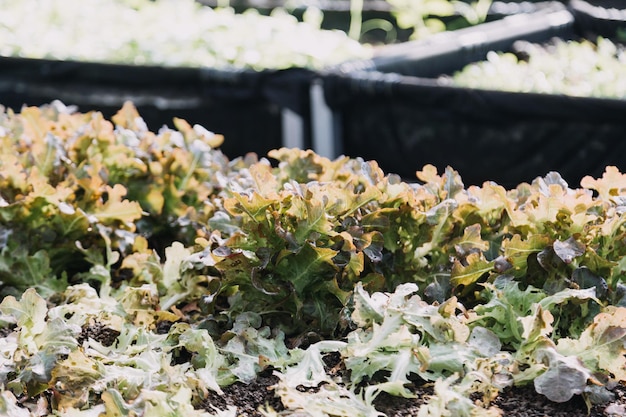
(177, 33)
(141, 270)
(577, 68)
(426, 17)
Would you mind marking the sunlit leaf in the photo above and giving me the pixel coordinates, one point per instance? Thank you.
(611, 183)
(602, 345)
(466, 275)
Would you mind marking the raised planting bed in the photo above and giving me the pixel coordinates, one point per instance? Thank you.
(246, 75)
(257, 110)
(395, 109)
(144, 273)
(575, 68)
(385, 22)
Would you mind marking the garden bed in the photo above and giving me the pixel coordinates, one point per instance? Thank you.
(146, 273)
(392, 108)
(212, 67)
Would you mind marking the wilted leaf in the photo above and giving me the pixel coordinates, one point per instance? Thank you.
(73, 377)
(536, 325)
(565, 377)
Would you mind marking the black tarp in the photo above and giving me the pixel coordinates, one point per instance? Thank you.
(406, 121)
(243, 105)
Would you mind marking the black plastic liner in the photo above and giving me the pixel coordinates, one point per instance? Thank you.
(393, 112)
(244, 105)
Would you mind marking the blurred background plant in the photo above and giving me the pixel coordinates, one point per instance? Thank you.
(419, 18)
(425, 17)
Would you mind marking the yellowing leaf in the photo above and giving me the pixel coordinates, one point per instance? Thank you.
(517, 251)
(197, 132)
(476, 267)
(35, 125)
(12, 174)
(602, 345)
(155, 200)
(42, 188)
(313, 218)
(73, 377)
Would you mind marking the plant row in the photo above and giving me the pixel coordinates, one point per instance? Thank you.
(141, 269)
(169, 33)
(576, 68)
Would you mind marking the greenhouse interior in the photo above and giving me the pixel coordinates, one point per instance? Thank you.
(312, 208)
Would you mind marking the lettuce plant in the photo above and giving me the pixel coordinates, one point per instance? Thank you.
(141, 270)
(180, 33)
(576, 68)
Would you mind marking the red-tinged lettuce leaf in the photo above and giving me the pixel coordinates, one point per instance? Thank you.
(265, 182)
(255, 206)
(568, 250)
(470, 242)
(448, 185)
(304, 166)
(197, 132)
(312, 218)
(371, 244)
(585, 278)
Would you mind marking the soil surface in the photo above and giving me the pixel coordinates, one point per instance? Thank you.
(518, 402)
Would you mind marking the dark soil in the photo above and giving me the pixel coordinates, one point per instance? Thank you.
(517, 402)
(246, 397)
